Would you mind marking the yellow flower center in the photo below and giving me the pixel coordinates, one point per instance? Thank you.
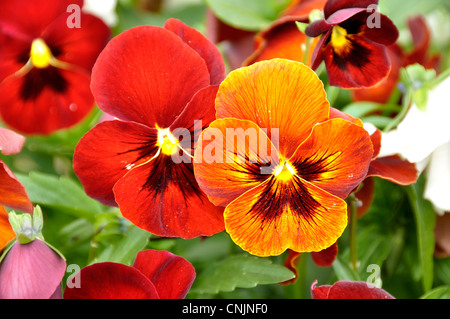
(167, 143)
(339, 39)
(284, 172)
(40, 54)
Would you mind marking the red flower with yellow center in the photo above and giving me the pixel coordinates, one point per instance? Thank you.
(283, 186)
(154, 81)
(45, 65)
(353, 43)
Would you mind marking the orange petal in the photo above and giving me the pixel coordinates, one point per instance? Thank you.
(282, 41)
(6, 231)
(226, 166)
(278, 93)
(277, 215)
(335, 157)
(12, 192)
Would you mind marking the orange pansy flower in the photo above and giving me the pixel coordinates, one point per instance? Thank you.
(284, 181)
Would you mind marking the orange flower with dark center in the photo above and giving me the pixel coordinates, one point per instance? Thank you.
(284, 181)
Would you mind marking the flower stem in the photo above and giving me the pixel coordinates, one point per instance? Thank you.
(352, 201)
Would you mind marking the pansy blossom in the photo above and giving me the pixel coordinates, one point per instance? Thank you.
(353, 43)
(45, 64)
(283, 186)
(346, 289)
(30, 268)
(154, 81)
(153, 275)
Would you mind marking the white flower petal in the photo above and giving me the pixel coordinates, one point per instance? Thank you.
(420, 133)
(104, 9)
(437, 187)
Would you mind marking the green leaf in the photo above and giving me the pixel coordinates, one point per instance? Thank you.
(125, 250)
(251, 15)
(425, 219)
(241, 271)
(60, 193)
(343, 271)
(442, 292)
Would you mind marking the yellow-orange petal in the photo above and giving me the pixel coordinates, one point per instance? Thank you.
(278, 215)
(335, 157)
(278, 93)
(6, 231)
(232, 156)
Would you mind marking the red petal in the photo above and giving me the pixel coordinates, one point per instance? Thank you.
(205, 48)
(110, 280)
(10, 142)
(334, 5)
(326, 257)
(107, 152)
(320, 292)
(291, 263)
(24, 18)
(365, 196)
(386, 33)
(163, 198)
(365, 64)
(31, 271)
(172, 275)
(199, 112)
(147, 74)
(78, 46)
(45, 100)
(349, 290)
(394, 169)
(321, 26)
(382, 91)
(12, 192)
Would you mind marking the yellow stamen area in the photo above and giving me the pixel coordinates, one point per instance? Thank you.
(40, 54)
(167, 143)
(284, 172)
(339, 39)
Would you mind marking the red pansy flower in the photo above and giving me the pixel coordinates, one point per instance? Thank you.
(353, 45)
(154, 275)
(283, 186)
(345, 289)
(153, 80)
(45, 64)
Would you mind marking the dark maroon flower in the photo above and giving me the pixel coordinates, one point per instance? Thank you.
(353, 43)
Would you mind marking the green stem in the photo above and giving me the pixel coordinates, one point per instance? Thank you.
(352, 201)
